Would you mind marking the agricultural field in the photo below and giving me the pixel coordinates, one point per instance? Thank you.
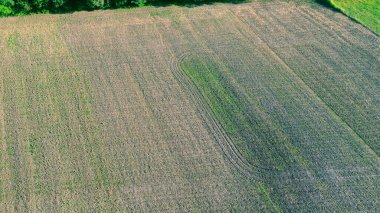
(265, 106)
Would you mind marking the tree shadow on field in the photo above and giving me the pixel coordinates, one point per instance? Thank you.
(193, 3)
(327, 4)
(154, 3)
(183, 3)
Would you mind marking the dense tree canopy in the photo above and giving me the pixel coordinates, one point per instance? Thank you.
(20, 7)
(12, 7)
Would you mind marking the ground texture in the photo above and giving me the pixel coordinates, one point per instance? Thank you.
(252, 107)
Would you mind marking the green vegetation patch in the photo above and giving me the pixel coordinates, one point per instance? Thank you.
(366, 12)
(257, 137)
(13, 40)
(22, 7)
(221, 99)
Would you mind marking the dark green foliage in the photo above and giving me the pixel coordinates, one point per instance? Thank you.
(119, 3)
(22, 6)
(19, 7)
(139, 3)
(7, 3)
(14, 7)
(95, 4)
(57, 3)
(40, 4)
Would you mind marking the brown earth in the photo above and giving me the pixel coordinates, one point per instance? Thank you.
(96, 114)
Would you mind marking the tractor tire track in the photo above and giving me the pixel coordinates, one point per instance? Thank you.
(252, 171)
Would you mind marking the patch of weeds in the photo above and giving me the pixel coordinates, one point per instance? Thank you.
(264, 191)
(33, 144)
(14, 41)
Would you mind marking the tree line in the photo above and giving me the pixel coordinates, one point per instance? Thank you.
(19, 7)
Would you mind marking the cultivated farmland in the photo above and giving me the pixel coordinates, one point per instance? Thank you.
(270, 106)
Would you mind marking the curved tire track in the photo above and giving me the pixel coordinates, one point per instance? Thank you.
(228, 147)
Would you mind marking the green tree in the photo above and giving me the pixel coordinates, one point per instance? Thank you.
(7, 3)
(95, 4)
(22, 6)
(57, 3)
(39, 5)
(139, 3)
(120, 3)
(6, 7)
(5, 11)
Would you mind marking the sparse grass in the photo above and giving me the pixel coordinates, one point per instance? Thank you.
(13, 40)
(162, 13)
(97, 112)
(257, 138)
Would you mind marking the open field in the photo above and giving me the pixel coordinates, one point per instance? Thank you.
(366, 12)
(252, 107)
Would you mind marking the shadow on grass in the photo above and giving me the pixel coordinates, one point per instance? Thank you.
(326, 4)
